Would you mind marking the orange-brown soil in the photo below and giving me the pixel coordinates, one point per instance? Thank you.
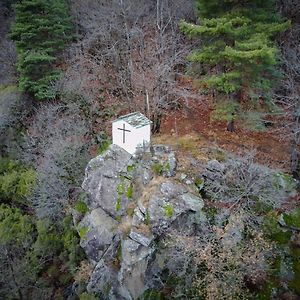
(191, 124)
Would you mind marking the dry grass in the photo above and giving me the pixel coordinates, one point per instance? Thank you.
(83, 272)
(150, 190)
(125, 225)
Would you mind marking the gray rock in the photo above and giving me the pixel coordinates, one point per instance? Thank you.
(172, 165)
(142, 239)
(168, 203)
(131, 276)
(142, 207)
(138, 217)
(102, 280)
(102, 177)
(215, 166)
(191, 202)
(160, 149)
(171, 190)
(101, 229)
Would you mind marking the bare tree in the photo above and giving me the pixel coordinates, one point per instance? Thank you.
(242, 183)
(134, 48)
(57, 145)
(288, 94)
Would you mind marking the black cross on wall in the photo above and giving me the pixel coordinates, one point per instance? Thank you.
(124, 130)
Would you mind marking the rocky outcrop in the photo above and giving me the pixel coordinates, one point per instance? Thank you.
(102, 179)
(133, 202)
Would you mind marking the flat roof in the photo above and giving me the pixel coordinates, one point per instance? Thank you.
(135, 119)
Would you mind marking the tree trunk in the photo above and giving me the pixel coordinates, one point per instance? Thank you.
(230, 126)
(156, 123)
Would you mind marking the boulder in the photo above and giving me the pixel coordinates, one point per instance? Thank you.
(169, 202)
(100, 230)
(134, 264)
(102, 280)
(102, 179)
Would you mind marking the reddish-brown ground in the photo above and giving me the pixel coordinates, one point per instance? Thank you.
(193, 119)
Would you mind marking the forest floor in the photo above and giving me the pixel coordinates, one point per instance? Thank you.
(190, 128)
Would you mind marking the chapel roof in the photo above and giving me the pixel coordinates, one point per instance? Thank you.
(136, 120)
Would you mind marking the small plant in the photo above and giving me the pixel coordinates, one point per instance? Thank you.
(117, 260)
(103, 146)
(147, 218)
(199, 182)
(81, 207)
(87, 296)
(160, 169)
(120, 188)
(167, 167)
(130, 168)
(130, 211)
(157, 168)
(129, 192)
(169, 211)
(118, 203)
(83, 231)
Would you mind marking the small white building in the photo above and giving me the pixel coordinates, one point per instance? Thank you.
(131, 131)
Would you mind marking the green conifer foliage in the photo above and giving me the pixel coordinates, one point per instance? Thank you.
(238, 55)
(41, 31)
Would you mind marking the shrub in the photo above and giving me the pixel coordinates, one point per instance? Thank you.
(169, 211)
(16, 182)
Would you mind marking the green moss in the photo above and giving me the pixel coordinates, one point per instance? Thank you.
(81, 207)
(157, 168)
(118, 203)
(211, 213)
(83, 231)
(120, 188)
(167, 167)
(147, 218)
(130, 168)
(199, 182)
(169, 211)
(103, 146)
(284, 181)
(261, 208)
(273, 231)
(129, 192)
(292, 218)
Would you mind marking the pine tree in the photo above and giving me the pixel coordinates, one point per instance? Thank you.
(41, 30)
(238, 56)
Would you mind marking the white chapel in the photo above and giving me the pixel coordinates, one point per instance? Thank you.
(131, 132)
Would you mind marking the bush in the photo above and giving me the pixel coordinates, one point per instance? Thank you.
(16, 182)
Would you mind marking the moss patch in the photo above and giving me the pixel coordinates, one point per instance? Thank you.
(169, 210)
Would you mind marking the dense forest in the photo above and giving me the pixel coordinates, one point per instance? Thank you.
(230, 69)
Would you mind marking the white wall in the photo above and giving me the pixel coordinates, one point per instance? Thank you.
(132, 139)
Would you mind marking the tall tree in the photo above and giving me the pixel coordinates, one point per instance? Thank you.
(41, 30)
(238, 56)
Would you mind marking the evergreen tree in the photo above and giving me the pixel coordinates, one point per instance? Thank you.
(238, 56)
(41, 30)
